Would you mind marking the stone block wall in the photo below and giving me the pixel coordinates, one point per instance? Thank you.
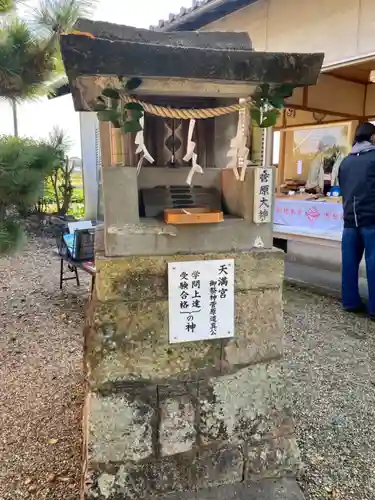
(162, 418)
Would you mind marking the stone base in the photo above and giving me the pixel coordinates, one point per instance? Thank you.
(283, 489)
(192, 418)
(266, 489)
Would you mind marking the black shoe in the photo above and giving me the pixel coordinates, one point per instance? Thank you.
(356, 310)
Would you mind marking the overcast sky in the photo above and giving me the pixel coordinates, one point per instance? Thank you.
(36, 119)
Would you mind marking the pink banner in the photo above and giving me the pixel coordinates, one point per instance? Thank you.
(319, 215)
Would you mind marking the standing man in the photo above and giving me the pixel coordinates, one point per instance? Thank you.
(357, 184)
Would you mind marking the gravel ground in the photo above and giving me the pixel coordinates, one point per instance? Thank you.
(41, 388)
(328, 360)
(330, 355)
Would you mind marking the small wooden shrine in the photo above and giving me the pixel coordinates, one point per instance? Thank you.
(175, 111)
(184, 335)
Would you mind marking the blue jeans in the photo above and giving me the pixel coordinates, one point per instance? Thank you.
(355, 242)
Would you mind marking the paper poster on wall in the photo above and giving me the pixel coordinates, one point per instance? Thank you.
(201, 300)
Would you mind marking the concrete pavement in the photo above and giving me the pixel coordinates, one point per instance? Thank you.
(319, 279)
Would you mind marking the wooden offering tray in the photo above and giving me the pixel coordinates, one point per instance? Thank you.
(197, 215)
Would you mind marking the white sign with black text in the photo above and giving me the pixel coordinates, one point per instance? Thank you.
(201, 300)
(263, 195)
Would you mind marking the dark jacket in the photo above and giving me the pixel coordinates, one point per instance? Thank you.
(357, 184)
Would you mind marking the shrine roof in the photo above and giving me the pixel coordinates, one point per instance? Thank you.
(117, 32)
(101, 49)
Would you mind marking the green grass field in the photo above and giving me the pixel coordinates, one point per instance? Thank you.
(77, 209)
(77, 179)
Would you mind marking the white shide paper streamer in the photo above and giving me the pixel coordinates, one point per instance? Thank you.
(191, 155)
(141, 146)
(238, 152)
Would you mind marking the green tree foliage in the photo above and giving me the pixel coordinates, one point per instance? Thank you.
(24, 165)
(29, 60)
(29, 48)
(60, 178)
(6, 6)
(26, 62)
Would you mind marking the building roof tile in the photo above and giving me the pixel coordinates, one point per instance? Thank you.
(200, 13)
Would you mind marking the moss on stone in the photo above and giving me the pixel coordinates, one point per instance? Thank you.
(139, 278)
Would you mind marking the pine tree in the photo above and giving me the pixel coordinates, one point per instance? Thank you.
(30, 60)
